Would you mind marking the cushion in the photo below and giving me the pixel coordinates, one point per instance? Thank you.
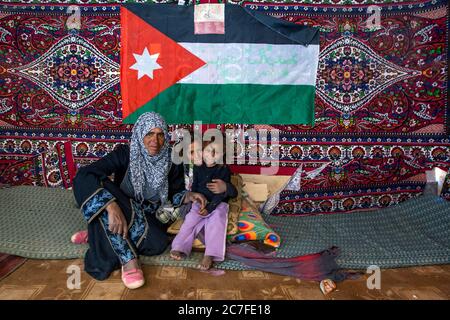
(174, 228)
(257, 191)
(273, 183)
(234, 205)
(252, 226)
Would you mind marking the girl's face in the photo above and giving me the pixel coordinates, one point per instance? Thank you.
(212, 154)
(195, 153)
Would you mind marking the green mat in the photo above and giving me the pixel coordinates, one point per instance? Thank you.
(37, 222)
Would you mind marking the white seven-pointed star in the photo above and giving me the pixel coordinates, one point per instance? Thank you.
(145, 64)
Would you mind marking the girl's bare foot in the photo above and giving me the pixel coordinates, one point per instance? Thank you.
(176, 255)
(206, 263)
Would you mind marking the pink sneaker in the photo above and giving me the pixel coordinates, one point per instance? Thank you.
(81, 237)
(133, 279)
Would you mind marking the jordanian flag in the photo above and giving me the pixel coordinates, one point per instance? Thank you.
(262, 70)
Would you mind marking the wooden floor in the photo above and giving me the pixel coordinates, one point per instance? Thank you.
(47, 279)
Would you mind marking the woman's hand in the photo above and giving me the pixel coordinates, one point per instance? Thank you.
(217, 186)
(195, 197)
(116, 220)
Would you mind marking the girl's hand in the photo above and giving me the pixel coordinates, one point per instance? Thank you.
(195, 197)
(217, 186)
(203, 212)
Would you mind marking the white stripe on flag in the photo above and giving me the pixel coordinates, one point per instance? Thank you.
(248, 63)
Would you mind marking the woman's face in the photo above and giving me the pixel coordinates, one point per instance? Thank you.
(154, 141)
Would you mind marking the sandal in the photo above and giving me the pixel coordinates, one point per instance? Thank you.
(81, 237)
(133, 278)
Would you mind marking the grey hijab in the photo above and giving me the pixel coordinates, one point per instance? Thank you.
(149, 172)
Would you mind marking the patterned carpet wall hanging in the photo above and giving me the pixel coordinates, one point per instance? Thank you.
(381, 99)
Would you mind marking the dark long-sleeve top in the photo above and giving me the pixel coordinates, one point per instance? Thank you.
(204, 175)
(94, 190)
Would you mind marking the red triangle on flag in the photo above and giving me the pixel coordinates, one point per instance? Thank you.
(150, 62)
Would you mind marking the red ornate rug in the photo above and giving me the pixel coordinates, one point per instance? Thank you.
(9, 264)
(381, 97)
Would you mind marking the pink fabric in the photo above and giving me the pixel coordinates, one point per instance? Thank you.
(316, 266)
(209, 27)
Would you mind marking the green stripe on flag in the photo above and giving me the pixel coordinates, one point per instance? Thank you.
(265, 104)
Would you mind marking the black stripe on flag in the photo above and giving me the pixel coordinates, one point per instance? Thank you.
(241, 25)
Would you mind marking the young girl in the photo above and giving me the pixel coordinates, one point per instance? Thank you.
(209, 223)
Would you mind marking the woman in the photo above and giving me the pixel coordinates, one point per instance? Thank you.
(121, 213)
